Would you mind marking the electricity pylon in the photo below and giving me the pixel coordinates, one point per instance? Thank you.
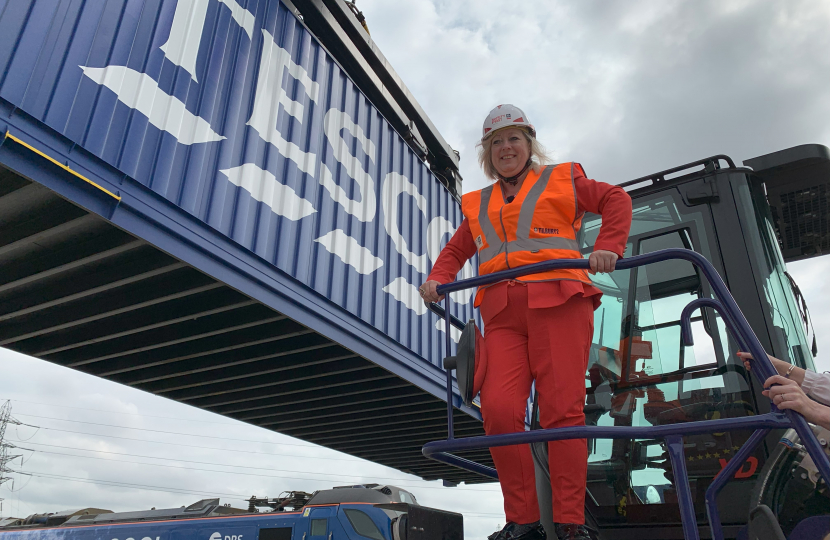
(6, 458)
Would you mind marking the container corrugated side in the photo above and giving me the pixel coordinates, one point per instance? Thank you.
(234, 112)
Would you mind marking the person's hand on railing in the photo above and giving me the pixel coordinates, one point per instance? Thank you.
(602, 261)
(783, 368)
(787, 394)
(429, 291)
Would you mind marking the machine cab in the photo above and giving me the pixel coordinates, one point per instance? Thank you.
(641, 374)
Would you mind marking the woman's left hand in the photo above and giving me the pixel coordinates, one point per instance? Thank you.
(788, 395)
(603, 261)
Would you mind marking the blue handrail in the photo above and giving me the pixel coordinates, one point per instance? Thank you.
(673, 434)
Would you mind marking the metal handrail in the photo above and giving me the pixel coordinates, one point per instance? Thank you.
(438, 310)
(673, 433)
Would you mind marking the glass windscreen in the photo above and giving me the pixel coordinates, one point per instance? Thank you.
(641, 374)
(788, 338)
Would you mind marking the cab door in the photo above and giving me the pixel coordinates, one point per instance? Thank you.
(640, 373)
(322, 523)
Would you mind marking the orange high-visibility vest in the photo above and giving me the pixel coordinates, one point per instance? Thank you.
(540, 224)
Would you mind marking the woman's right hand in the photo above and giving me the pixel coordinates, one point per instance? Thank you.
(429, 291)
(787, 394)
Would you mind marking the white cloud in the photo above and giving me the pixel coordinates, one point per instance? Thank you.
(625, 88)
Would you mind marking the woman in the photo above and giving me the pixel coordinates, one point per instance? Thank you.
(538, 326)
(793, 386)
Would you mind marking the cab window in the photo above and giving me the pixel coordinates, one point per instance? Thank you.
(318, 527)
(363, 524)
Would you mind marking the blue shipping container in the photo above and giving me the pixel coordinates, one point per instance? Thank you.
(232, 111)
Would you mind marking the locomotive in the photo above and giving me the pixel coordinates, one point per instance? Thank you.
(357, 512)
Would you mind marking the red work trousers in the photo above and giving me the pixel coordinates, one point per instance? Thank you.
(550, 345)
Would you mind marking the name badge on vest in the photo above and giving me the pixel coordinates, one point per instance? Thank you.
(479, 242)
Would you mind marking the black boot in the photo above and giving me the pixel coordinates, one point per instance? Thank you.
(572, 531)
(513, 531)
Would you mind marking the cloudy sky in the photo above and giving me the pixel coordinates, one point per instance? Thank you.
(625, 88)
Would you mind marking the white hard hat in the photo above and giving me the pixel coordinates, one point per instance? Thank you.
(506, 116)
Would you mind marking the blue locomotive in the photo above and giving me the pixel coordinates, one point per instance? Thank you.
(362, 512)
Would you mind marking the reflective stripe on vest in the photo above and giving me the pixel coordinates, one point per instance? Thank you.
(547, 201)
(523, 240)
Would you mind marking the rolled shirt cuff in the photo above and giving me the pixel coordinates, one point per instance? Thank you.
(817, 386)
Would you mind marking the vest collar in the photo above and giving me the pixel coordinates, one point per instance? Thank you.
(527, 183)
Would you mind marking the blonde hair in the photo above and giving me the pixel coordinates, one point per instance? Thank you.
(537, 153)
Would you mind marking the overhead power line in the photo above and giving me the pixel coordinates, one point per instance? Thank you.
(356, 460)
(180, 444)
(117, 483)
(62, 406)
(125, 454)
(214, 464)
(345, 477)
(206, 448)
(233, 451)
(177, 433)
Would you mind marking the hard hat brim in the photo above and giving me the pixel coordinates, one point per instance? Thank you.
(529, 129)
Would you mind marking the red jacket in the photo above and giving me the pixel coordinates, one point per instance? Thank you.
(611, 202)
